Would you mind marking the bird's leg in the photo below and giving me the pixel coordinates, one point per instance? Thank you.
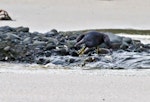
(97, 49)
(81, 52)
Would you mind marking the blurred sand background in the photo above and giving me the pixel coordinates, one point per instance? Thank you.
(44, 15)
(66, 86)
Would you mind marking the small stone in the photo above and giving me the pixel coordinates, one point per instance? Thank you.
(62, 51)
(73, 53)
(104, 51)
(48, 53)
(59, 62)
(12, 36)
(115, 45)
(27, 40)
(127, 40)
(54, 30)
(40, 43)
(7, 48)
(124, 46)
(6, 29)
(90, 59)
(22, 29)
(52, 33)
(50, 47)
(71, 60)
(42, 61)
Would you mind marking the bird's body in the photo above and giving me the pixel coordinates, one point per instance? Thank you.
(93, 39)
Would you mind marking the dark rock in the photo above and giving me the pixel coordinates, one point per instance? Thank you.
(73, 53)
(124, 46)
(147, 46)
(71, 60)
(42, 61)
(55, 31)
(115, 46)
(7, 48)
(104, 51)
(27, 40)
(70, 44)
(22, 29)
(61, 51)
(11, 36)
(52, 41)
(48, 53)
(6, 29)
(4, 15)
(50, 46)
(127, 40)
(58, 61)
(114, 38)
(39, 43)
(62, 41)
(91, 59)
(52, 33)
(72, 37)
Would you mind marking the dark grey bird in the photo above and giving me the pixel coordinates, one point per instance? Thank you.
(92, 39)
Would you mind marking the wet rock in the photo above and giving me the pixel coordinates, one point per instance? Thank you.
(71, 60)
(127, 40)
(147, 46)
(22, 29)
(58, 61)
(48, 53)
(27, 40)
(52, 33)
(7, 48)
(5, 29)
(72, 37)
(115, 46)
(52, 41)
(50, 46)
(62, 41)
(11, 36)
(70, 44)
(61, 51)
(20, 45)
(104, 51)
(73, 53)
(91, 59)
(42, 61)
(124, 46)
(39, 44)
(114, 38)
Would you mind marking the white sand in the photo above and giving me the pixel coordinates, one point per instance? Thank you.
(63, 86)
(73, 87)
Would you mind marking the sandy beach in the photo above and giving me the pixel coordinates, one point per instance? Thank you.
(45, 15)
(75, 86)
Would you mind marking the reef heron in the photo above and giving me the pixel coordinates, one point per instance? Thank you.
(92, 39)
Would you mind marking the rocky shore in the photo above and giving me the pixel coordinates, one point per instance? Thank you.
(19, 45)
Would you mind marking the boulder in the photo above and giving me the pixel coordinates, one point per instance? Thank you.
(4, 15)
